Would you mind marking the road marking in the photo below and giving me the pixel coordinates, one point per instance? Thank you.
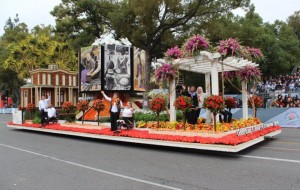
(269, 158)
(287, 142)
(91, 168)
(279, 148)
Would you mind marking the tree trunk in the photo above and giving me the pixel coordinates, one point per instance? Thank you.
(215, 121)
(157, 120)
(184, 119)
(98, 117)
(82, 117)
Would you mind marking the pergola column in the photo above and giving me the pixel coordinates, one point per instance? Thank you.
(172, 100)
(207, 91)
(214, 78)
(244, 100)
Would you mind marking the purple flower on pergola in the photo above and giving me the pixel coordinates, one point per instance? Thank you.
(196, 43)
(174, 53)
(229, 47)
(255, 53)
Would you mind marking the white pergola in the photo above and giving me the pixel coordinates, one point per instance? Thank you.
(210, 64)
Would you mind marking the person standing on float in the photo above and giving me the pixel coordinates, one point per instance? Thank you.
(115, 109)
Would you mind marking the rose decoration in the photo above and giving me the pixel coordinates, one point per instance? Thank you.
(98, 106)
(157, 105)
(82, 106)
(215, 104)
(184, 104)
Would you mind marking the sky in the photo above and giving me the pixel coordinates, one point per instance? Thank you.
(35, 12)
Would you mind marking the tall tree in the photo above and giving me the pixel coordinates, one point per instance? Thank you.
(294, 22)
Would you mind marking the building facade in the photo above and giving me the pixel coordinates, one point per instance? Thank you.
(61, 84)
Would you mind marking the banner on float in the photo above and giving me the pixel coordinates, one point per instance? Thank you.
(289, 118)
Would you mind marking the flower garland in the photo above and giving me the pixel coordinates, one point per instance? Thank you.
(115, 101)
(166, 72)
(174, 53)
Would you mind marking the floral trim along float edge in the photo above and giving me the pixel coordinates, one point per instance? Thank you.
(230, 139)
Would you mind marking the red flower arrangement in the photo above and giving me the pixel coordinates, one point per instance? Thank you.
(166, 72)
(139, 104)
(98, 106)
(230, 102)
(174, 53)
(257, 100)
(21, 108)
(67, 107)
(215, 104)
(196, 43)
(184, 104)
(82, 106)
(157, 105)
(31, 108)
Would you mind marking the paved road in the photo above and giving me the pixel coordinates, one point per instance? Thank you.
(38, 161)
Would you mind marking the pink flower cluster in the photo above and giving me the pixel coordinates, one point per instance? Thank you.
(229, 75)
(255, 53)
(229, 47)
(166, 72)
(174, 53)
(195, 43)
(249, 73)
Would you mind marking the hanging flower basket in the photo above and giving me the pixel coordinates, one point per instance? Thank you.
(166, 72)
(174, 53)
(195, 44)
(249, 74)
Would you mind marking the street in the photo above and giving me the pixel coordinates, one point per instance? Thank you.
(39, 161)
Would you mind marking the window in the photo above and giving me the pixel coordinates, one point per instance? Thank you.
(70, 80)
(74, 81)
(43, 78)
(64, 80)
(49, 79)
(57, 79)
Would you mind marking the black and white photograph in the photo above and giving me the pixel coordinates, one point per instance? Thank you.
(117, 67)
(90, 69)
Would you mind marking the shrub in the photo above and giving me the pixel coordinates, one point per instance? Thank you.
(36, 120)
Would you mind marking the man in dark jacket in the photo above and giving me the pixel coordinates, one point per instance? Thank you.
(192, 116)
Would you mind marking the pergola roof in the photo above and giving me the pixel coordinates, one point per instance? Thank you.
(202, 63)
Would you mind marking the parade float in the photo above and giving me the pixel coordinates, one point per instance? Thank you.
(229, 59)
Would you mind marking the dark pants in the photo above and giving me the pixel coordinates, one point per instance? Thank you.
(129, 122)
(44, 117)
(192, 116)
(227, 116)
(114, 116)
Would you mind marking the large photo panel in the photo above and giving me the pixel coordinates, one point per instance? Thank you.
(117, 68)
(139, 69)
(90, 69)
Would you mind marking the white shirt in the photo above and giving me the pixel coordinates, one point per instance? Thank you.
(201, 98)
(43, 104)
(114, 107)
(127, 112)
(51, 112)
